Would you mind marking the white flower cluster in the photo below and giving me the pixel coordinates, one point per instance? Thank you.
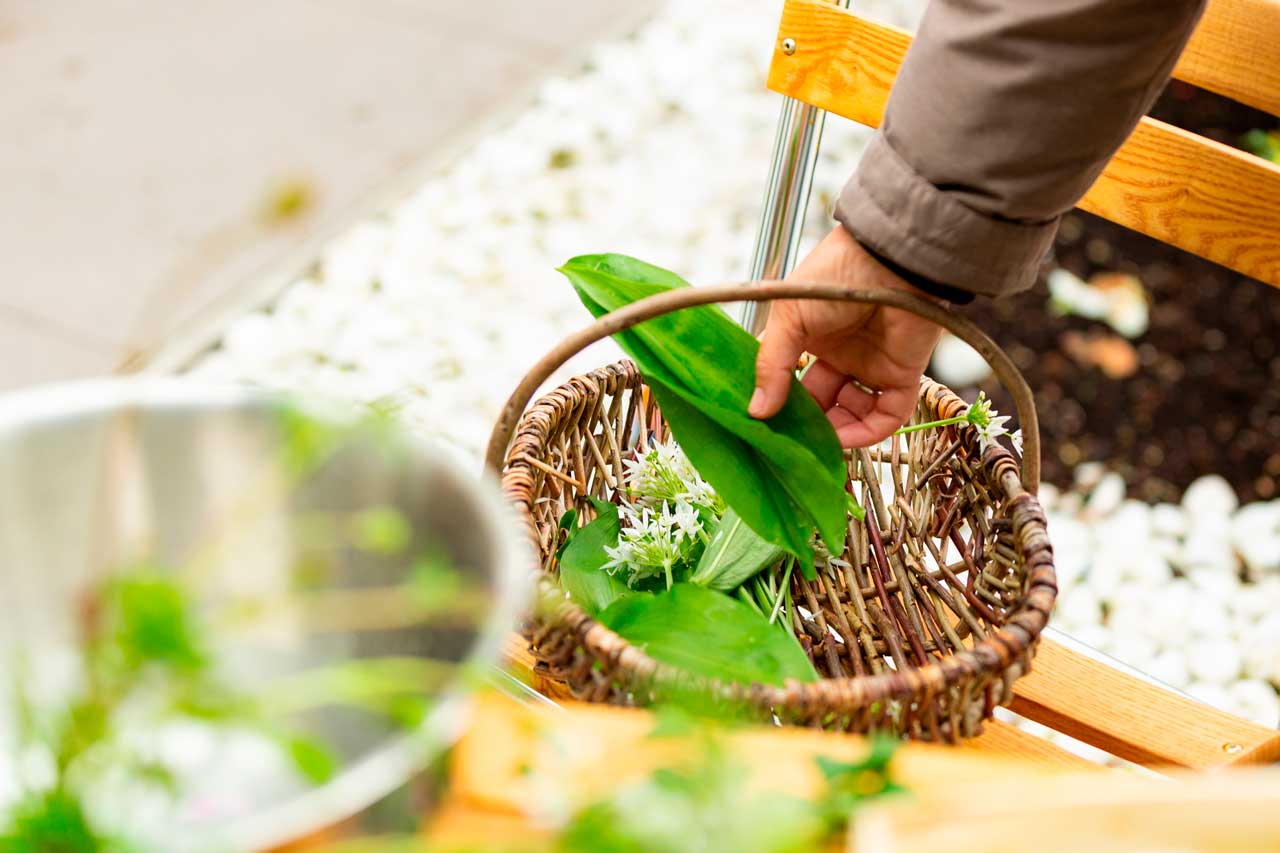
(664, 474)
(661, 514)
(651, 543)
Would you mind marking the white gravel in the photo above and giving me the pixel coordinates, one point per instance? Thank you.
(659, 149)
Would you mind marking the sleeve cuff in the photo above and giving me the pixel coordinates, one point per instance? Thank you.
(905, 220)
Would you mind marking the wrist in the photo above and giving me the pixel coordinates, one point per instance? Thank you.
(925, 285)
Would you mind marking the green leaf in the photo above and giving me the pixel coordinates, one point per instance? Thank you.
(314, 758)
(709, 634)
(433, 581)
(736, 554)
(53, 821)
(154, 623)
(851, 783)
(381, 530)
(569, 524)
(784, 476)
(582, 571)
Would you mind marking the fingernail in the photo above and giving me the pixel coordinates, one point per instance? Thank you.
(757, 403)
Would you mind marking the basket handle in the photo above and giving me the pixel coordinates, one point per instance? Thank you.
(688, 297)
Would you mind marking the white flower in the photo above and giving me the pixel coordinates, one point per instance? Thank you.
(1016, 438)
(990, 432)
(664, 474)
(988, 422)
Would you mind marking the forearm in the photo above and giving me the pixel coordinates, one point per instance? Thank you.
(1003, 114)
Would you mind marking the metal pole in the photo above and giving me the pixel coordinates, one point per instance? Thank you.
(786, 198)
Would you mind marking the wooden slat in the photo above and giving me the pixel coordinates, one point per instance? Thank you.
(460, 824)
(998, 740)
(1135, 720)
(513, 755)
(1236, 52)
(1173, 185)
(1223, 813)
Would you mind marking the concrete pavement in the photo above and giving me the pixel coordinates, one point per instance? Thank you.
(159, 158)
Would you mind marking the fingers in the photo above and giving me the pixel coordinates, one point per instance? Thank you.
(775, 365)
(869, 425)
(824, 382)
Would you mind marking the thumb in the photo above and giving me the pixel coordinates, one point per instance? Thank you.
(775, 365)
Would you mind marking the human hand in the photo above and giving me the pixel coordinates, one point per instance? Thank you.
(857, 346)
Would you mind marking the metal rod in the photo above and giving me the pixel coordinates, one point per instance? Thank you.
(786, 198)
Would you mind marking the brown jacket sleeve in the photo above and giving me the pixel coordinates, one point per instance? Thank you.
(1003, 114)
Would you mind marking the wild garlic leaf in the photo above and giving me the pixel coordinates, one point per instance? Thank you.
(707, 633)
(569, 524)
(315, 760)
(736, 554)
(582, 573)
(784, 476)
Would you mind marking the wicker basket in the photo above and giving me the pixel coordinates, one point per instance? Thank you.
(951, 576)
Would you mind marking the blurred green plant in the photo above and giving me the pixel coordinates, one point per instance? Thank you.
(1264, 143)
(149, 642)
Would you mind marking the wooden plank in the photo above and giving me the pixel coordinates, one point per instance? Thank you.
(1225, 812)
(998, 739)
(1003, 740)
(1236, 52)
(522, 664)
(1135, 720)
(460, 824)
(1173, 185)
(514, 756)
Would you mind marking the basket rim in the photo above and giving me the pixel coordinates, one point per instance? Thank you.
(995, 655)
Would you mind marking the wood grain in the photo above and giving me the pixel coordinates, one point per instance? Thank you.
(1173, 185)
(1095, 703)
(1235, 51)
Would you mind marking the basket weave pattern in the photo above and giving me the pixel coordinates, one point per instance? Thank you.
(949, 584)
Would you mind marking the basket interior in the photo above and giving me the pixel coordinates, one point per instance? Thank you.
(933, 571)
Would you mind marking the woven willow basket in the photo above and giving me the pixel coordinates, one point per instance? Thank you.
(950, 579)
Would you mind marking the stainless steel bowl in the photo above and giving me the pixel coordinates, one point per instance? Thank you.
(102, 474)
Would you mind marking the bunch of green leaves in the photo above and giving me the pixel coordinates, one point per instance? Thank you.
(705, 806)
(146, 648)
(699, 630)
(783, 476)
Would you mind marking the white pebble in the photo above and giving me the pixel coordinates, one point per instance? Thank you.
(1078, 609)
(1213, 695)
(1257, 701)
(1217, 586)
(1168, 520)
(1106, 497)
(1088, 474)
(1209, 495)
(1262, 649)
(1255, 534)
(957, 364)
(1214, 661)
(1169, 667)
(1208, 550)
(1071, 546)
(1208, 620)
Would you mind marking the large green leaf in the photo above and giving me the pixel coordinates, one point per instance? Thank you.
(708, 634)
(736, 554)
(582, 571)
(785, 475)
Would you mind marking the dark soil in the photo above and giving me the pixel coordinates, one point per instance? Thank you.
(1206, 395)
